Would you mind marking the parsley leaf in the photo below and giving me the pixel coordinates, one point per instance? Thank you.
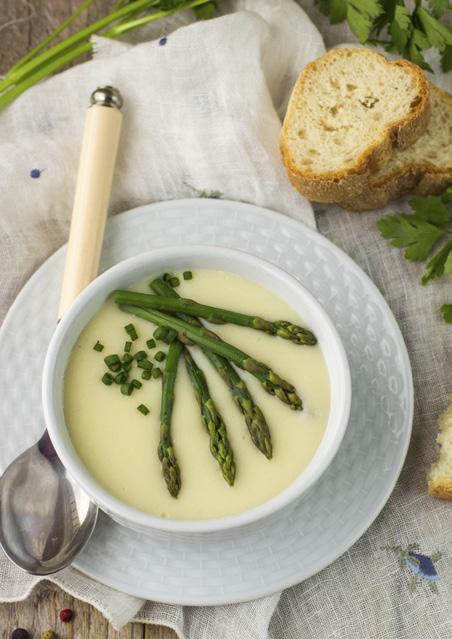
(411, 27)
(446, 60)
(336, 10)
(401, 28)
(437, 33)
(419, 232)
(418, 43)
(447, 196)
(446, 310)
(205, 11)
(361, 16)
(439, 7)
(389, 8)
(414, 234)
(448, 265)
(437, 265)
(431, 209)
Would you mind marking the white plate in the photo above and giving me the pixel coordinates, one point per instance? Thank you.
(136, 269)
(298, 542)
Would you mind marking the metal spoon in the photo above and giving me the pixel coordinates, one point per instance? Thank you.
(45, 517)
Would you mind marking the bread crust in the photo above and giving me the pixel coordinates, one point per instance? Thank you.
(420, 178)
(440, 489)
(343, 185)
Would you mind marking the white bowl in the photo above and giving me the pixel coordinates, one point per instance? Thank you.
(135, 269)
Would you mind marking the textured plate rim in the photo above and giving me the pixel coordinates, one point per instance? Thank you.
(328, 558)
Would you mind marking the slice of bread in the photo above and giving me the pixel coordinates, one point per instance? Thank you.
(349, 111)
(440, 474)
(424, 168)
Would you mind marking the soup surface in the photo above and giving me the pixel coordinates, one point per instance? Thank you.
(118, 444)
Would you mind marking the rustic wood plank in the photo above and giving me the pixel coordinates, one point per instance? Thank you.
(23, 23)
(158, 632)
(40, 613)
(15, 17)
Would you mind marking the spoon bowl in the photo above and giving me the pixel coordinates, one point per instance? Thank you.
(45, 517)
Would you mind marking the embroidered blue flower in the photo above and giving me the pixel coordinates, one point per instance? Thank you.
(35, 173)
(163, 41)
(421, 567)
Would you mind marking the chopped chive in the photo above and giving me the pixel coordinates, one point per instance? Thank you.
(141, 355)
(113, 362)
(120, 378)
(127, 358)
(150, 343)
(174, 281)
(187, 275)
(146, 374)
(143, 409)
(127, 347)
(167, 276)
(145, 364)
(131, 332)
(126, 389)
(107, 379)
(136, 383)
(98, 347)
(126, 366)
(156, 372)
(160, 356)
(160, 332)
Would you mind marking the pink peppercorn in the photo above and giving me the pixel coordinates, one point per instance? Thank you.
(66, 615)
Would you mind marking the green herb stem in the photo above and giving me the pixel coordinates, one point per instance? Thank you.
(73, 40)
(41, 72)
(27, 73)
(43, 44)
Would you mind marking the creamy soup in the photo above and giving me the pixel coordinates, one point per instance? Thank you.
(118, 444)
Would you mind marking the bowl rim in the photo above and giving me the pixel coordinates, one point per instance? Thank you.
(131, 516)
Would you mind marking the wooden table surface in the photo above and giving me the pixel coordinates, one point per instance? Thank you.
(23, 23)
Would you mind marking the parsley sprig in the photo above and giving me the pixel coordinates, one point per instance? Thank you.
(424, 235)
(405, 27)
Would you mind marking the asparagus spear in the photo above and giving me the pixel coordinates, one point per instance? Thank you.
(270, 381)
(282, 328)
(170, 467)
(219, 442)
(254, 418)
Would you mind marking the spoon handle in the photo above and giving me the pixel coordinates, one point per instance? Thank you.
(92, 193)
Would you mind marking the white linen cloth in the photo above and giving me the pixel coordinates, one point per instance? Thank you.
(203, 112)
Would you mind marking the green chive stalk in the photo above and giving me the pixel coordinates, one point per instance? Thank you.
(44, 43)
(40, 63)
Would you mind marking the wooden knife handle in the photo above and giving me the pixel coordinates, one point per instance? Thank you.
(92, 193)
